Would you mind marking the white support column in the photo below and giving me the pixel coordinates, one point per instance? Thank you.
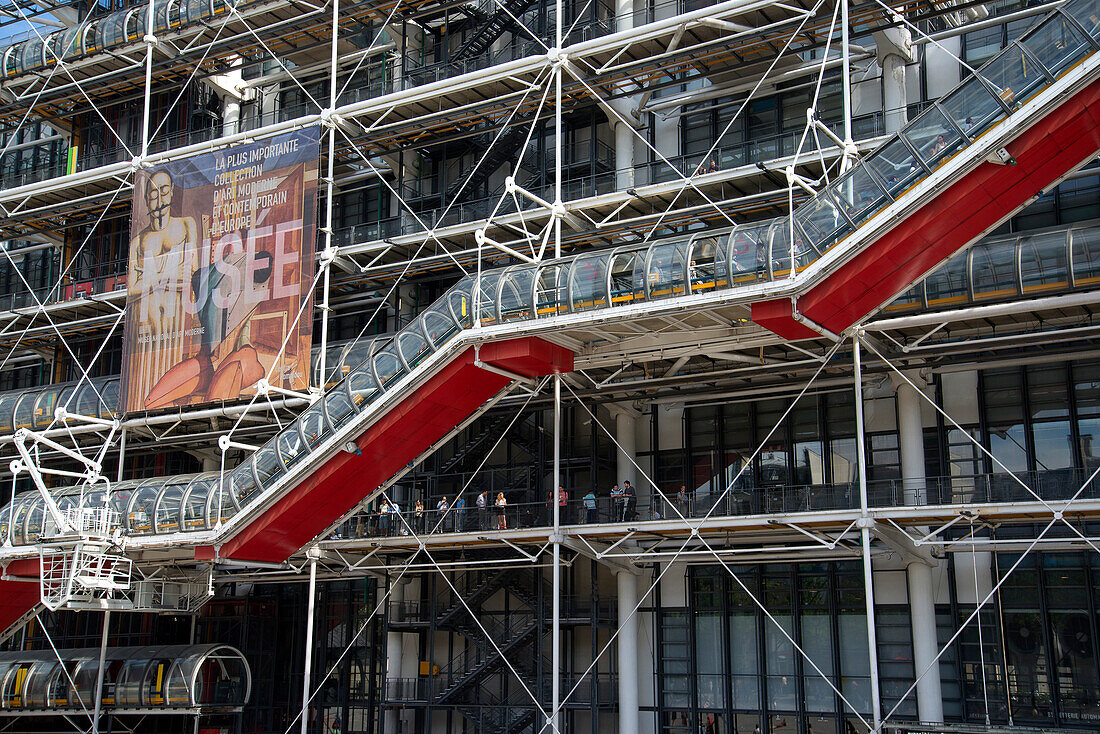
(627, 647)
(865, 523)
(922, 610)
(626, 424)
(624, 154)
(624, 135)
(922, 603)
(99, 672)
(911, 440)
(231, 115)
(555, 632)
(311, 609)
(895, 50)
(394, 643)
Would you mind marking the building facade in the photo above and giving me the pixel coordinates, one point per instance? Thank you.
(677, 367)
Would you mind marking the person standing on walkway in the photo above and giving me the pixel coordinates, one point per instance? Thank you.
(617, 500)
(483, 510)
(441, 511)
(384, 517)
(460, 513)
(630, 502)
(418, 517)
(591, 514)
(502, 512)
(563, 504)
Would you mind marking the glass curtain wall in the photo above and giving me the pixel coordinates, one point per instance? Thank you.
(727, 667)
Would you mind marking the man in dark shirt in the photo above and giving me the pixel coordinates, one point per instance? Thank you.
(630, 502)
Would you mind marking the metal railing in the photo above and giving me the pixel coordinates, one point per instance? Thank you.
(742, 500)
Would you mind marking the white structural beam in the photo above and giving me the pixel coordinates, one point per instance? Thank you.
(922, 601)
(627, 649)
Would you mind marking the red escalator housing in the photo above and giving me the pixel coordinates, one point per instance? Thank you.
(397, 438)
(946, 222)
(18, 597)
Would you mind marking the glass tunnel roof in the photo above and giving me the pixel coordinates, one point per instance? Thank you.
(33, 408)
(157, 677)
(747, 254)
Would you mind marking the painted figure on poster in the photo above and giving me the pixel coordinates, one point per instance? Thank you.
(167, 251)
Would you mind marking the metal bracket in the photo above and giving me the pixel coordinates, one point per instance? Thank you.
(1001, 157)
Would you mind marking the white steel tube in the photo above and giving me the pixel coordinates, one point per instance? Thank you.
(555, 679)
(121, 453)
(868, 575)
(558, 146)
(99, 672)
(149, 43)
(309, 643)
(326, 261)
(846, 74)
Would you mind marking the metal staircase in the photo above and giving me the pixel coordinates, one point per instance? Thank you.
(490, 640)
(498, 16)
(502, 149)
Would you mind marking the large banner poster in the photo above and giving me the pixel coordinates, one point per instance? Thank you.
(221, 263)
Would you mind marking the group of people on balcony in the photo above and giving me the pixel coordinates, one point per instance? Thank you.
(487, 512)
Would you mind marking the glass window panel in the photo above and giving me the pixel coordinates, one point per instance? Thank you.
(1014, 75)
(551, 297)
(817, 642)
(312, 425)
(973, 107)
(338, 407)
(1078, 681)
(459, 301)
(702, 262)
(859, 193)
(1043, 262)
(1087, 13)
(981, 44)
(626, 277)
(195, 501)
(748, 252)
(387, 367)
(1053, 445)
(588, 283)
(993, 267)
(709, 661)
(267, 464)
(24, 409)
(413, 344)
(140, 519)
(438, 325)
(665, 271)
(515, 295)
(1086, 255)
(242, 484)
(933, 136)
(290, 444)
(1047, 391)
(168, 509)
(822, 221)
(895, 165)
(487, 301)
(1056, 44)
(1029, 677)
